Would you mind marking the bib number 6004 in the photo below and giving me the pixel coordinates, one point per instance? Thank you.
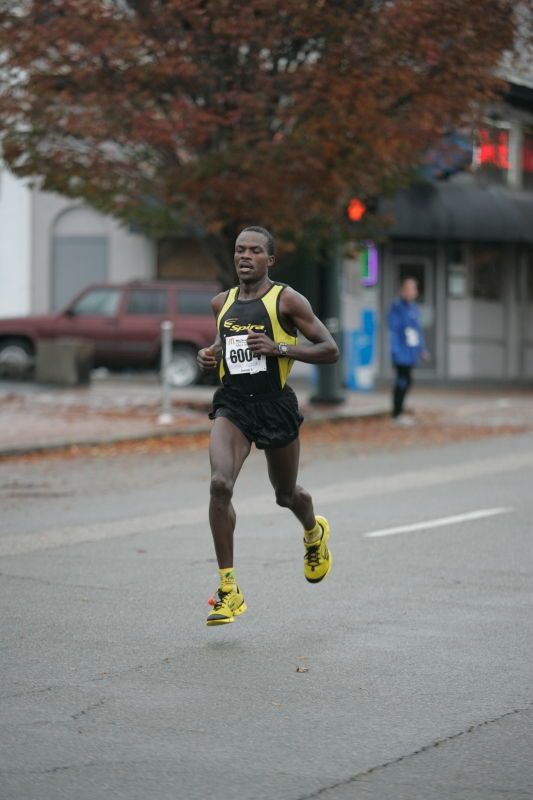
(240, 359)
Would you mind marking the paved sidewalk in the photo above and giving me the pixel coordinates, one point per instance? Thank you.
(112, 410)
(124, 408)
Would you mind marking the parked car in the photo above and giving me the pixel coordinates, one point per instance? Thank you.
(123, 323)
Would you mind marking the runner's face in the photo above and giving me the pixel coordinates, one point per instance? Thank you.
(251, 257)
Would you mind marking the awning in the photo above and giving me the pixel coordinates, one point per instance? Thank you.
(461, 209)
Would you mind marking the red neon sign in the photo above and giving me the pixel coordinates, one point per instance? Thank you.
(493, 148)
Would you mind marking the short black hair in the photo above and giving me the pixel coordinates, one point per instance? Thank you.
(271, 248)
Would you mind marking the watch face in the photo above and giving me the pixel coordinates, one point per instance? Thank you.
(283, 348)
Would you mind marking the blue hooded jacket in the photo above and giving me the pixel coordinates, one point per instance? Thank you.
(405, 333)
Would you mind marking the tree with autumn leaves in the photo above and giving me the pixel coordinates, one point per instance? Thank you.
(203, 116)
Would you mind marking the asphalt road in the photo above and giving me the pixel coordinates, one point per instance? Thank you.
(418, 647)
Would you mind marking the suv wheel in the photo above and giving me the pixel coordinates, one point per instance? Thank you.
(183, 370)
(16, 357)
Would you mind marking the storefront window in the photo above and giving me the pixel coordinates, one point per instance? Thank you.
(486, 272)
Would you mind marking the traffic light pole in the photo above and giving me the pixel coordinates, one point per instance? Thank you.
(330, 376)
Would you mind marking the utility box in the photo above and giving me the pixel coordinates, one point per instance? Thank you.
(65, 362)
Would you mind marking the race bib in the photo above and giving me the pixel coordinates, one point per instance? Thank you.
(411, 337)
(240, 359)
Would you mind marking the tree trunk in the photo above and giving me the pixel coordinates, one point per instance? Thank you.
(222, 248)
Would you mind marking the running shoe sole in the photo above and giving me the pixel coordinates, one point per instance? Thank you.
(242, 608)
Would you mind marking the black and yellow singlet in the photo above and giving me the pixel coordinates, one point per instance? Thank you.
(239, 368)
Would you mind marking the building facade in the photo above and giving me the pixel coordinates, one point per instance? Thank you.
(475, 278)
(468, 241)
(52, 247)
(15, 246)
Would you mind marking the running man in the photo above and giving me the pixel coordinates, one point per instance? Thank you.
(255, 347)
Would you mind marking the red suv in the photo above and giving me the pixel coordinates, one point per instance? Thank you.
(123, 323)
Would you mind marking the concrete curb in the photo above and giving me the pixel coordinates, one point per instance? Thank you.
(318, 418)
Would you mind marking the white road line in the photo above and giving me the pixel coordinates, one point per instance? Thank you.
(470, 516)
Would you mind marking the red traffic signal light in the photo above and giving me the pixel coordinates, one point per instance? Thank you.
(356, 209)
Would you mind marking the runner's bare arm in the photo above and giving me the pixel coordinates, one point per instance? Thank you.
(208, 357)
(295, 311)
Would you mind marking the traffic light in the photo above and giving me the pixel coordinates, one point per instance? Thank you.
(356, 210)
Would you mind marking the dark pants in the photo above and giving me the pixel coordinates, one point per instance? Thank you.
(402, 383)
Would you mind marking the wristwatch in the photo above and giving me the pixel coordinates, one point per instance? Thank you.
(283, 348)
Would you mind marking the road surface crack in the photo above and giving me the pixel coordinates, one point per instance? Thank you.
(137, 668)
(77, 766)
(25, 692)
(51, 770)
(47, 582)
(424, 749)
(84, 711)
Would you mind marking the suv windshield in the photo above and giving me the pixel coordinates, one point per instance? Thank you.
(98, 303)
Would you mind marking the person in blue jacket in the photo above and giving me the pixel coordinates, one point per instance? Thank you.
(406, 343)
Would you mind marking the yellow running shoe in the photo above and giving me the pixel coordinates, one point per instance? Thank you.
(318, 558)
(226, 606)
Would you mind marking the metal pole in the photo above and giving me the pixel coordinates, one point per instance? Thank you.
(330, 381)
(165, 416)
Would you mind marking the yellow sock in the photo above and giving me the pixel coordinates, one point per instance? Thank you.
(313, 536)
(227, 578)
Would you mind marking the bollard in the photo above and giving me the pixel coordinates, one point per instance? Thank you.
(165, 416)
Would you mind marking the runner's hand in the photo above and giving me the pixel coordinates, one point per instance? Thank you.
(207, 358)
(261, 344)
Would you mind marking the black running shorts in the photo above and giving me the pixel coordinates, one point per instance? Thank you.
(268, 420)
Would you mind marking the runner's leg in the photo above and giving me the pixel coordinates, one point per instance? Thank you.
(228, 450)
(283, 473)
